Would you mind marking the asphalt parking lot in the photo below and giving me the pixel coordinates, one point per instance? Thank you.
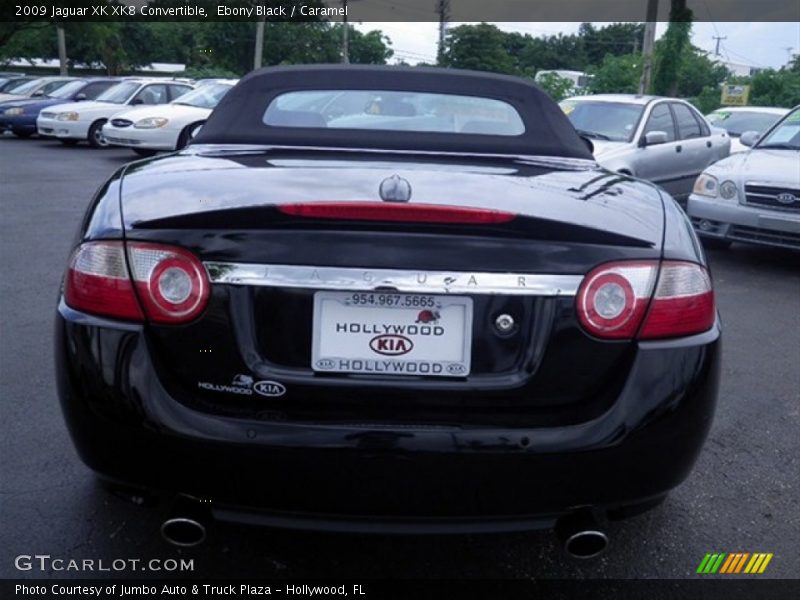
(743, 494)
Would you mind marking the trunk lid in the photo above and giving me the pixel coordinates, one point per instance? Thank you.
(250, 354)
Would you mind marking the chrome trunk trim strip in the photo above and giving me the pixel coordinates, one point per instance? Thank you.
(400, 280)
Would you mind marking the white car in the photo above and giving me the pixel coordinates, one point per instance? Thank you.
(166, 127)
(77, 121)
(738, 119)
(753, 196)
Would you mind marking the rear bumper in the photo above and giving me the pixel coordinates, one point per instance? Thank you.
(358, 478)
(728, 220)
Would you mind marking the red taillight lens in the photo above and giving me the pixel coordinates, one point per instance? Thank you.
(683, 303)
(171, 283)
(97, 282)
(385, 211)
(613, 300)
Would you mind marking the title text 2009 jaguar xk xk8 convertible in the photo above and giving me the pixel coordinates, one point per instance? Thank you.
(385, 299)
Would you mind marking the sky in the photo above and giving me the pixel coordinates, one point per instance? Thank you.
(756, 44)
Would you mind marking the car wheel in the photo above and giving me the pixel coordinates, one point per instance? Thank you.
(715, 243)
(187, 135)
(69, 142)
(23, 134)
(96, 138)
(144, 152)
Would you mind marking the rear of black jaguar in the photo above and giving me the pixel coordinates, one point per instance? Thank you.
(387, 339)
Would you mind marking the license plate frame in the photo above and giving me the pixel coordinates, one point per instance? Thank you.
(368, 333)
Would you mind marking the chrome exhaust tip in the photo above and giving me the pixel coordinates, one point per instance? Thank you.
(581, 535)
(186, 525)
(183, 532)
(586, 544)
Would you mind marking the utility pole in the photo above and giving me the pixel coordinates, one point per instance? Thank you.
(719, 38)
(649, 43)
(443, 8)
(345, 35)
(62, 50)
(258, 51)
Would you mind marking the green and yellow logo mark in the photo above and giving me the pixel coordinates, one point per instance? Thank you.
(735, 562)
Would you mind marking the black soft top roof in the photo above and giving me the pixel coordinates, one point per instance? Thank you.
(238, 119)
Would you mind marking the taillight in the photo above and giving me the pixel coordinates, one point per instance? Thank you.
(386, 211)
(617, 300)
(171, 283)
(613, 298)
(97, 282)
(683, 303)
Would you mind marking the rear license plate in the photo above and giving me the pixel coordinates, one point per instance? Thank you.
(392, 334)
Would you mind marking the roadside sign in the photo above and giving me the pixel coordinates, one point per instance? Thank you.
(735, 95)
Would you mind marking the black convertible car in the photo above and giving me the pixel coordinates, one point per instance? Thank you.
(394, 300)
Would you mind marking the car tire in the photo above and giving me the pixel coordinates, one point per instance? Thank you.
(95, 136)
(23, 134)
(187, 135)
(144, 152)
(69, 142)
(715, 243)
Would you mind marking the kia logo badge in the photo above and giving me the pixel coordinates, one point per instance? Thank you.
(786, 198)
(391, 345)
(269, 388)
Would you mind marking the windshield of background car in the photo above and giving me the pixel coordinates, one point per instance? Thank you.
(12, 85)
(27, 87)
(615, 121)
(67, 90)
(736, 123)
(394, 111)
(786, 135)
(120, 93)
(206, 96)
(49, 88)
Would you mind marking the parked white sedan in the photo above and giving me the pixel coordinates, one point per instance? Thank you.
(166, 127)
(738, 119)
(77, 121)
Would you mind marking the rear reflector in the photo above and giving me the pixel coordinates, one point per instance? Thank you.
(384, 211)
(171, 285)
(666, 300)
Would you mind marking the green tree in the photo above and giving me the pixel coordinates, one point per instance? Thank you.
(480, 47)
(371, 48)
(697, 72)
(775, 88)
(669, 50)
(616, 74)
(616, 39)
(556, 87)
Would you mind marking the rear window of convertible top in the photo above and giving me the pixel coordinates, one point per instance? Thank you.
(394, 111)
